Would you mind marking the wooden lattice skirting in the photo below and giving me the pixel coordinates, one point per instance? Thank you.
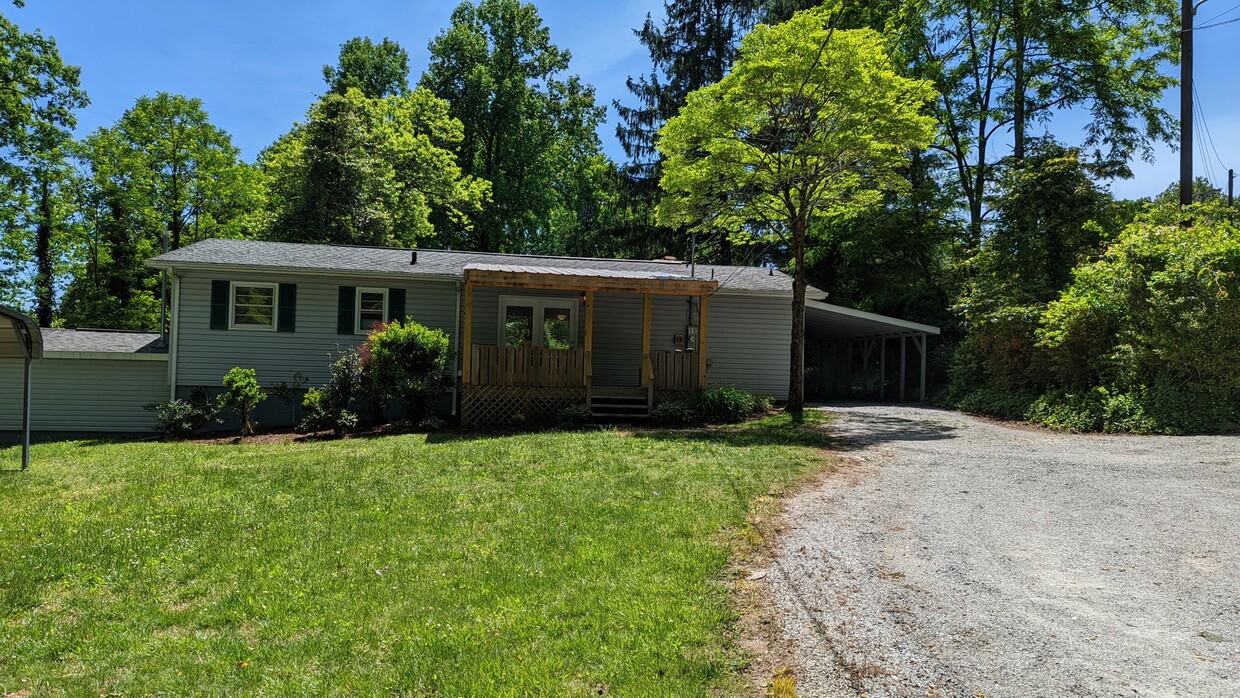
(495, 405)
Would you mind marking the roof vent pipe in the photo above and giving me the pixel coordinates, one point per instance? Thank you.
(414, 258)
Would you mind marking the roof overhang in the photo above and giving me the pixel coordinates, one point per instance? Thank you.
(574, 280)
(20, 337)
(826, 322)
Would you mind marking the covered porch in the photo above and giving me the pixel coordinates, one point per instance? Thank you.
(566, 336)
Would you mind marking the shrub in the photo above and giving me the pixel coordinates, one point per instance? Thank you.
(993, 402)
(330, 407)
(673, 413)
(290, 392)
(573, 415)
(1096, 409)
(242, 394)
(724, 404)
(179, 419)
(408, 361)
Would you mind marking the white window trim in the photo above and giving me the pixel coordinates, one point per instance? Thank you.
(539, 305)
(357, 308)
(275, 305)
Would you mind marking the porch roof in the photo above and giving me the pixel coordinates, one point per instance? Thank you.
(586, 279)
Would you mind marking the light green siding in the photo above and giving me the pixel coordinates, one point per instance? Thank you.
(748, 341)
(84, 395)
(204, 355)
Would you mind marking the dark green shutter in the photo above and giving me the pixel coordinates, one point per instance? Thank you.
(219, 305)
(288, 308)
(396, 304)
(345, 322)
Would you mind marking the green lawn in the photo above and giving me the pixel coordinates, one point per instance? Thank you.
(538, 564)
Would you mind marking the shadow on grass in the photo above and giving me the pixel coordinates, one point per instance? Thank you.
(775, 430)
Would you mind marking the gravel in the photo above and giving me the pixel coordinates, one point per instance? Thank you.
(951, 556)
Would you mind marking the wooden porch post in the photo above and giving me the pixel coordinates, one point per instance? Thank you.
(589, 339)
(701, 348)
(467, 347)
(645, 338)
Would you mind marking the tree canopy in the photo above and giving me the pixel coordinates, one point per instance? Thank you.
(811, 122)
(378, 70)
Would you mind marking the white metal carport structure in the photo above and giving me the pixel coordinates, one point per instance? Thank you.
(835, 325)
(20, 339)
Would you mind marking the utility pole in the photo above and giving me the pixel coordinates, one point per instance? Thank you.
(1186, 102)
(1231, 184)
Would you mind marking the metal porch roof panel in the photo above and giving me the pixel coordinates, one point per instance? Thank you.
(826, 322)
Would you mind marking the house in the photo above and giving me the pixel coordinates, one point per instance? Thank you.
(529, 334)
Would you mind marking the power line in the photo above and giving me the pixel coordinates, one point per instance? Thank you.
(1216, 24)
(1205, 126)
(1224, 12)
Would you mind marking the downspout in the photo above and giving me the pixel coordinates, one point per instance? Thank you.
(456, 355)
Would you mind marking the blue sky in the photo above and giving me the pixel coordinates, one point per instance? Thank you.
(257, 65)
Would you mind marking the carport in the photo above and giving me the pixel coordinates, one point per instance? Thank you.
(21, 340)
(843, 335)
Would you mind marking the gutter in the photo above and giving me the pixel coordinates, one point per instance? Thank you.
(298, 271)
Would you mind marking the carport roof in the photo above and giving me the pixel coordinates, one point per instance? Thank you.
(826, 322)
(19, 336)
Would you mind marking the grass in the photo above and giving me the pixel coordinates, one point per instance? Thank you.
(564, 563)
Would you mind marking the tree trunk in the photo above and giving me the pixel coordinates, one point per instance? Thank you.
(44, 281)
(796, 367)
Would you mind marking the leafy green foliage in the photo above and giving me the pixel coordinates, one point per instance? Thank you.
(242, 394)
(574, 415)
(1158, 317)
(409, 361)
(1003, 403)
(811, 123)
(369, 171)
(179, 419)
(378, 70)
(527, 128)
(722, 405)
(331, 406)
(674, 413)
(37, 105)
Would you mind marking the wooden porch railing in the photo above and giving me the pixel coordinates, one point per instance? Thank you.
(673, 370)
(528, 366)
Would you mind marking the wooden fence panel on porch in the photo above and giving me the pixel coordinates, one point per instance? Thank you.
(674, 370)
(527, 366)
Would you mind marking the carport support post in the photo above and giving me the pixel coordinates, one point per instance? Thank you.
(882, 369)
(26, 415)
(903, 367)
(922, 345)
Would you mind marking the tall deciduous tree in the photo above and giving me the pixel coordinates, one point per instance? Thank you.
(527, 126)
(378, 70)
(369, 171)
(37, 104)
(1004, 65)
(810, 122)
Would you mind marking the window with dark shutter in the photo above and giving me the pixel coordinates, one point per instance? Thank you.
(286, 319)
(345, 318)
(396, 304)
(219, 305)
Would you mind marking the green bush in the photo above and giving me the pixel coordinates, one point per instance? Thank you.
(1156, 319)
(993, 402)
(242, 394)
(674, 413)
(574, 415)
(330, 407)
(179, 419)
(724, 405)
(409, 361)
(1096, 409)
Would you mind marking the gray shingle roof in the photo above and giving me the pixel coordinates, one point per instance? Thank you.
(109, 341)
(446, 263)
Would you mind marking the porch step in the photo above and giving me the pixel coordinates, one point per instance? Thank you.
(619, 401)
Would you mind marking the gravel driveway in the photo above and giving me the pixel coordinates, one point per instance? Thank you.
(950, 556)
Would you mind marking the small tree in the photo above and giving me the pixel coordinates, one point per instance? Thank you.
(811, 122)
(409, 361)
(242, 394)
(329, 407)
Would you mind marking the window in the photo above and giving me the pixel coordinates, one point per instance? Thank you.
(371, 308)
(539, 322)
(253, 306)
